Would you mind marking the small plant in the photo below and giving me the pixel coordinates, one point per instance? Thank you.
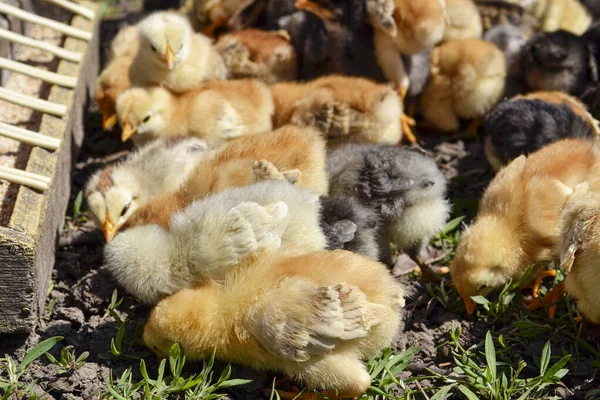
(79, 217)
(448, 239)
(196, 386)
(126, 344)
(11, 372)
(68, 361)
(475, 378)
(384, 370)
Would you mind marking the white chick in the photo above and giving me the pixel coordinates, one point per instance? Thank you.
(212, 236)
(172, 55)
(116, 192)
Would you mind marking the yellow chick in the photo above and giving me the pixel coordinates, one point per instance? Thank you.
(299, 153)
(254, 53)
(580, 250)
(404, 27)
(217, 112)
(114, 79)
(464, 20)
(313, 317)
(466, 80)
(345, 109)
(172, 55)
(518, 220)
(568, 15)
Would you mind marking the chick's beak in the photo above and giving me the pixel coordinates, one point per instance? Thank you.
(315, 8)
(128, 131)
(108, 121)
(169, 57)
(109, 229)
(469, 304)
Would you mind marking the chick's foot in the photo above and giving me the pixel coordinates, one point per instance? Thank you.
(538, 281)
(551, 299)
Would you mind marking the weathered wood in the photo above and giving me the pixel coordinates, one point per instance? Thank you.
(27, 245)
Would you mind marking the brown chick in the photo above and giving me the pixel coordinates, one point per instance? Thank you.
(580, 250)
(287, 149)
(217, 112)
(313, 317)
(518, 220)
(404, 27)
(254, 53)
(214, 14)
(114, 79)
(466, 80)
(345, 109)
(464, 20)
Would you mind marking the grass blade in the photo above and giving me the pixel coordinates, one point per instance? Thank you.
(468, 393)
(490, 355)
(39, 350)
(545, 360)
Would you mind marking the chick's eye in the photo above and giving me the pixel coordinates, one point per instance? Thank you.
(125, 209)
(482, 287)
(146, 119)
(153, 48)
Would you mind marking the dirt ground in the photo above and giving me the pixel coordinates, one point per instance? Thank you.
(82, 289)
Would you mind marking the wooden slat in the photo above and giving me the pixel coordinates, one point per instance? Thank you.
(59, 110)
(47, 76)
(39, 44)
(27, 136)
(74, 8)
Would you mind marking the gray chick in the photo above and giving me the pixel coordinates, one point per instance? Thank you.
(349, 225)
(404, 185)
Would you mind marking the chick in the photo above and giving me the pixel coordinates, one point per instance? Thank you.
(579, 251)
(213, 14)
(568, 15)
(466, 81)
(494, 13)
(126, 42)
(217, 112)
(349, 225)
(525, 124)
(464, 20)
(305, 316)
(298, 152)
(152, 262)
(343, 108)
(116, 192)
(110, 84)
(171, 55)
(518, 220)
(403, 184)
(253, 53)
(560, 61)
(509, 39)
(404, 27)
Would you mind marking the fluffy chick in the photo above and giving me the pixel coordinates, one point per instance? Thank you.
(217, 112)
(569, 15)
(304, 316)
(579, 250)
(343, 108)
(525, 124)
(213, 14)
(560, 61)
(116, 192)
(253, 53)
(171, 55)
(212, 236)
(466, 80)
(404, 27)
(518, 220)
(464, 20)
(349, 225)
(297, 151)
(403, 184)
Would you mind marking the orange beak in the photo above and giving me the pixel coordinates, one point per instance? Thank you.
(169, 58)
(469, 304)
(109, 229)
(128, 131)
(317, 9)
(108, 121)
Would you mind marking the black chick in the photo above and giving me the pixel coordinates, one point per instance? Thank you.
(404, 185)
(522, 126)
(351, 226)
(559, 61)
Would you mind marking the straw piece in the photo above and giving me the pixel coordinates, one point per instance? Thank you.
(47, 22)
(25, 174)
(39, 44)
(13, 177)
(47, 76)
(26, 136)
(33, 103)
(74, 8)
